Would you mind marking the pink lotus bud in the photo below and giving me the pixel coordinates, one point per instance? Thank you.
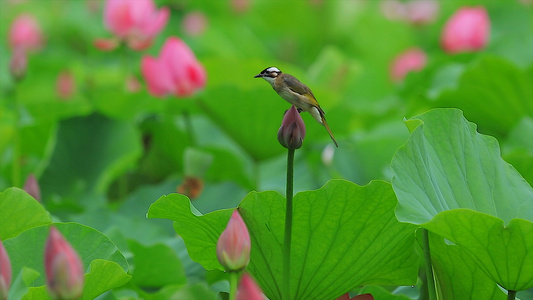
(194, 23)
(420, 12)
(248, 289)
(31, 186)
(136, 22)
(105, 44)
(18, 64)
(292, 131)
(467, 30)
(413, 59)
(233, 246)
(64, 269)
(25, 33)
(65, 85)
(5, 272)
(175, 72)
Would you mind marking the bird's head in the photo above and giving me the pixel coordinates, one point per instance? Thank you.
(269, 74)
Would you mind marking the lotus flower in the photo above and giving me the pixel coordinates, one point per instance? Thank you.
(467, 30)
(292, 131)
(413, 59)
(175, 72)
(64, 269)
(233, 246)
(136, 22)
(25, 33)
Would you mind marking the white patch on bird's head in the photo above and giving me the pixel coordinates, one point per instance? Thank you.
(272, 69)
(272, 72)
(269, 74)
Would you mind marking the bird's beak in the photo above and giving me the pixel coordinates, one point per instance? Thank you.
(258, 76)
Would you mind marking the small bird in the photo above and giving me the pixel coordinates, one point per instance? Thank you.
(296, 93)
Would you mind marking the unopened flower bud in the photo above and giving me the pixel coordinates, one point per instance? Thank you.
(18, 64)
(248, 289)
(292, 131)
(233, 246)
(31, 186)
(5, 273)
(64, 269)
(468, 30)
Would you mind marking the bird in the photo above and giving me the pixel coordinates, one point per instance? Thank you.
(296, 93)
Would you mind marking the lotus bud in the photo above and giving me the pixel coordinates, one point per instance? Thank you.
(63, 266)
(292, 131)
(233, 246)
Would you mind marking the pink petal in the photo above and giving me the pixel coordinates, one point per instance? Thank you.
(157, 77)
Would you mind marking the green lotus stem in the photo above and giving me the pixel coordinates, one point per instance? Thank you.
(288, 226)
(233, 279)
(16, 157)
(432, 295)
(511, 295)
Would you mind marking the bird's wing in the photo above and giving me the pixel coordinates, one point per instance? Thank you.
(297, 87)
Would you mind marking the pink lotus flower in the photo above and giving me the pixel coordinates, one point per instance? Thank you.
(136, 22)
(5, 272)
(175, 72)
(248, 289)
(31, 186)
(233, 246)
(467, 30)
(413, 59)
(292, 131)
(25, 33)
(64, 269)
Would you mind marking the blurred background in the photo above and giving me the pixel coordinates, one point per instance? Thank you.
(91, 121)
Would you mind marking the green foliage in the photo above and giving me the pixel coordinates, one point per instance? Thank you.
(446, 164)
(103, 154)
(20, 212)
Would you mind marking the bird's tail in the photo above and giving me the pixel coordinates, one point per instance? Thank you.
(329, 130)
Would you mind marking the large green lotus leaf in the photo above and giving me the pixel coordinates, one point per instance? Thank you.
(19, 212)
(504, 253)
(155, 266)
(494, 93)
(103, 276)
(344, 235)
(457, 275)
(90, 153)
(446, 164)
(27, 249)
